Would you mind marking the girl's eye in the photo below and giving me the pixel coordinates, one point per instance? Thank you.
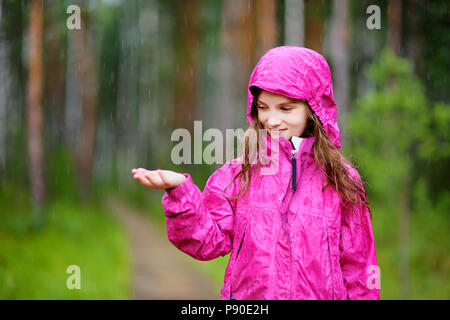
(260, 107)
(286, 108)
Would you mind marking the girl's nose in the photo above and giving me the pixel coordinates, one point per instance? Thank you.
(273, 122)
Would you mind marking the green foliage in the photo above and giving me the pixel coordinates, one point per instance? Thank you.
(441, 116)
(33, 261)
(395, 126)
(61, 174)
(428, 254)
(396, 134)
(433, 32)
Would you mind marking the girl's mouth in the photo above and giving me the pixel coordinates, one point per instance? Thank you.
(277, 130)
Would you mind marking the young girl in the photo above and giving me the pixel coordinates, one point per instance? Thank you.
(301, 231)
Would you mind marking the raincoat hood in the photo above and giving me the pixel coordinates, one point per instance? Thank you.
(298, 73)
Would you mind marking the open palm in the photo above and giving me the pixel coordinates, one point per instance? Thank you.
(158, 179)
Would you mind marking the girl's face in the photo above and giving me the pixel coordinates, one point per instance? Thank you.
(281, 116)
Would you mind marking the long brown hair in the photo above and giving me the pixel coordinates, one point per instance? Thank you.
(326, 155)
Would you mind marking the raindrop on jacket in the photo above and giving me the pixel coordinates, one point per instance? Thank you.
(284, 243)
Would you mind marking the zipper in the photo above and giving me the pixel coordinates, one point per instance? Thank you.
(294, 170)
(294, 187)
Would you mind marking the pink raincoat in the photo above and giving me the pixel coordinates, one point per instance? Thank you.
(284, 243)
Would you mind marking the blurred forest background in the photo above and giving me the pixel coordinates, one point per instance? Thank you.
(80, 108)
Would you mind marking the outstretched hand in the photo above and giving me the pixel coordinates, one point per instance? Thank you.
(158, 179)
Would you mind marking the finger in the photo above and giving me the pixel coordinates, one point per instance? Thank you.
(150, 177)
(162, 177)
(137, 176)
(144, 176)
(143, 181)
(142, 172)
(137, 170)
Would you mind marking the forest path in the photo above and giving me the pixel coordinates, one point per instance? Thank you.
(160, 270)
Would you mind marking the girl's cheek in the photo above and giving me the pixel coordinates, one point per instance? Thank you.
(262, 120)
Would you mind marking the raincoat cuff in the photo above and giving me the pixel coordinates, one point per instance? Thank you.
(182, 189)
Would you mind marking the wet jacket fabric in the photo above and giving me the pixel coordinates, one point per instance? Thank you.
(284, 243)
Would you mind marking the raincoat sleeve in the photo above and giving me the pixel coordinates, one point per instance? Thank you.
(357, 254)
(199, 223)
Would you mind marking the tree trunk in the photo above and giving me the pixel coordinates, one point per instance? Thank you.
(266, 25)
(249, 29)
(55, 76)
(414, 43)
(395, 26)
(294, 21)
(403, 233)
(186, 71)
(72, 112)
(237, 40)
(314, 25)
(149, 118)
(340, 58)
(5, 84)
(35, 118)
(395, 43)
(88, 83)
(126, 146)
